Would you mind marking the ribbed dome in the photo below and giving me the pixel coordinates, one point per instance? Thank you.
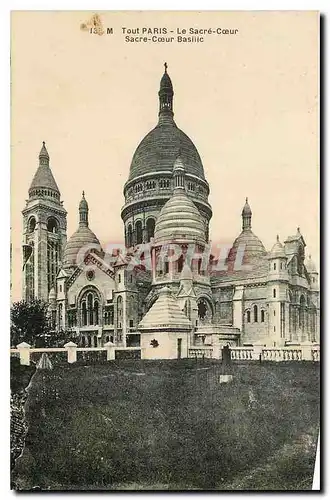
(253, 246)
(179, 219)
(159, 149)
(277, 250)
(83, 236)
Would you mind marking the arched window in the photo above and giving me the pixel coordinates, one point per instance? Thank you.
(255, 314)
(180, 263)
(274, 266)
(274, 293)
(52, 225)
(129, 236)
(150, 228)
(302, 310)
(90, 308)
(262, 316)
(248, 316)
(119, 311)
(32, 224)
(96, 312)
(138, 232)
(95, 341)
(84, 313)
(119, 278)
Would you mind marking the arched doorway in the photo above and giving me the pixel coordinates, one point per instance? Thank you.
(204, 309)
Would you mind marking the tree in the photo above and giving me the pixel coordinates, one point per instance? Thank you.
(29, 323)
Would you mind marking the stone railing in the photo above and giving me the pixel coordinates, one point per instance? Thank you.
(241, 353)
(282, 354)
(316, 354)
(200, 352)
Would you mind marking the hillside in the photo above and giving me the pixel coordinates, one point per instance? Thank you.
(170, 425)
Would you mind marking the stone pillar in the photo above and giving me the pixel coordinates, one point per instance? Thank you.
(306, 351)
(257, 350)
(71, 348)
(24, 353)
(111, 353)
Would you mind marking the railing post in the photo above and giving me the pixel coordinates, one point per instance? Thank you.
(24, 353)
(111, 354)
(306, 351)
(71, 348)
(256, 351)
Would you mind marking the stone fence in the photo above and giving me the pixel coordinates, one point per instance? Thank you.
(303, 352)
(24, 351)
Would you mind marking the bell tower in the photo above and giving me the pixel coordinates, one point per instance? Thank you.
(44, 232)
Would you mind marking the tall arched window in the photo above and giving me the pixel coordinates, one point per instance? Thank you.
(274, 293)
(262, 316)
(32, 224)
(90, 308)
(119, 311)
(255, 314)
(84, 313)
(52, 225)
(248, 316)
(302, 308)
(138, 232)
(129, 236)
(150, 228)
(96, 312)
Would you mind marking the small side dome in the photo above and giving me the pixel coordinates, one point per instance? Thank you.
(277, 250)
(310, 265)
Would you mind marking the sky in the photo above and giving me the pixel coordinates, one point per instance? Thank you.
(249, 102)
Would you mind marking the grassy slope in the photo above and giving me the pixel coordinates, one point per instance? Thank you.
(154, 425)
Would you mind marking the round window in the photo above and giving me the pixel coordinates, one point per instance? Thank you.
(90, 275)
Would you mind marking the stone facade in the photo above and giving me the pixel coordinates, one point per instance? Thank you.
(254, 296)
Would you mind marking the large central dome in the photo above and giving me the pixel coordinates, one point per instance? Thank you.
(159, 149)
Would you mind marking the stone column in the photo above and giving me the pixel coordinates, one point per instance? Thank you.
(71, 348)
(24, 353)
(111, 353)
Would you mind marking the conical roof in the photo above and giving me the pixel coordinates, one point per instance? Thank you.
(165, 313)
(43, 178)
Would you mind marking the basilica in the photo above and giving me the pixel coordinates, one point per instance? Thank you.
(165, 291)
